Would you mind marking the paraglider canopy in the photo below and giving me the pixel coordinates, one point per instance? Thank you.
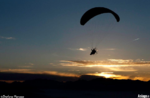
(96, 11)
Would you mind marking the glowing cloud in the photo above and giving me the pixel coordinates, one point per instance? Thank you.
(60, 74)
(79, 49)
(82, 49)
(127, 69)
(16, 70)
(115, 65)
(105, 63)
(136, 39)
(121, 61)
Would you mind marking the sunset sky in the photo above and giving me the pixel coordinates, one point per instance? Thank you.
(45, 36)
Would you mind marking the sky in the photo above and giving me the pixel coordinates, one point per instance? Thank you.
(45, 36)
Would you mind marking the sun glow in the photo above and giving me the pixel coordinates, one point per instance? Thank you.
(109, 75)
(106, 75)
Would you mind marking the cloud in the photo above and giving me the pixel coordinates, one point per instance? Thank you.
(82, 49)
(122, 66)
(60, 74)
(141, 77)
(126, 69)
(136, 39)
(111, 67)
(105, 63)
(29, 65)
(16, 70)
(115, 65)
(83, 63)
(73, 70)
(79, 49)
(121, 61)
(125, 75)
(111, 49)
(7, 37)
(29, 71)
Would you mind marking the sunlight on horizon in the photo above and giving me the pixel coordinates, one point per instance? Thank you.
(109, 75)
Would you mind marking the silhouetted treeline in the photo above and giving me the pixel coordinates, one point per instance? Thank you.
(100, 84)
(26, 76)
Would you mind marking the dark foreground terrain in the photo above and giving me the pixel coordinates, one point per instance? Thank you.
(95, 88)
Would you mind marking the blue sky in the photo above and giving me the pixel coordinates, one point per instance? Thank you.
(36, 35)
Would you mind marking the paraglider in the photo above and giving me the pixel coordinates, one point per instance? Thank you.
(94, 12)
(93, 51)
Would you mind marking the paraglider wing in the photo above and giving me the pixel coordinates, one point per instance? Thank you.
(96, 11)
